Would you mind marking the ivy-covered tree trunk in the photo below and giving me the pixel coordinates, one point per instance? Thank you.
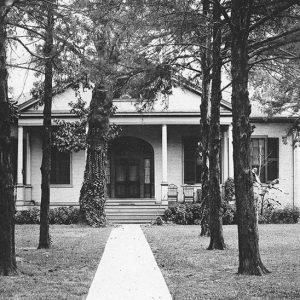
(93, 192)
(8, 264)
(249, 257)
(216, 231)
(204, 126)
(44, 240)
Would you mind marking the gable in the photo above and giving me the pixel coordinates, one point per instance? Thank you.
(185, 100)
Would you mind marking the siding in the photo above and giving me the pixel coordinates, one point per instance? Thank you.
(277, 130)
(152, 135)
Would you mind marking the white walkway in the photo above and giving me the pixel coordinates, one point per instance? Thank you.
(128, 270)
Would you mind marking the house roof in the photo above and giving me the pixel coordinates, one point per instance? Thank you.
(185, 99)
(259, 115)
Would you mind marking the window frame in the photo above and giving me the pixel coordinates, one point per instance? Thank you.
(266, 139)
(64, 185)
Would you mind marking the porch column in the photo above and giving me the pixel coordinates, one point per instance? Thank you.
(28, 187)
(20, 183)
(230, 153)
(296, 200)
(164, 184)
(225, 156)
(28, 159)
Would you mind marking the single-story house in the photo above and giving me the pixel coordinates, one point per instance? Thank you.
(156, 148)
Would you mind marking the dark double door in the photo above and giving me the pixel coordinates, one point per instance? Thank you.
(131, 169)
(127, 178)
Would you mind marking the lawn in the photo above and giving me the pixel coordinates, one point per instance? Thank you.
(192, 272)
(63, 272)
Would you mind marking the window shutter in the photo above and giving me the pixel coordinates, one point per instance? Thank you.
(272, 159)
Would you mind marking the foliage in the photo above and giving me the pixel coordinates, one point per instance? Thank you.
(158, 221)
(191, 214)
(266, 216)
(229, 190)
(59, 215)
(267, 200)
(229, 214)
(287, 215)
(71, 136)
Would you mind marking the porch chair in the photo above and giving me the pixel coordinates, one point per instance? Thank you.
(172, 193)
(188, 194)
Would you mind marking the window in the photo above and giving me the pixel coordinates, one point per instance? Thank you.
(60, 167)
(264, 157)
(192, 164)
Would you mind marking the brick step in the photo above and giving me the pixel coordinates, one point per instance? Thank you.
(137, 202)
(133, 214)
(135, 207)
(131, 219)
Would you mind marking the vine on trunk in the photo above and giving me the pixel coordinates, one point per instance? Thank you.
(93, 193)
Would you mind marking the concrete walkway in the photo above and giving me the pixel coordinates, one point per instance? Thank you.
(128, 270)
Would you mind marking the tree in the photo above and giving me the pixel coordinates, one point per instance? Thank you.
(8, 264)
(249, 256)
(44, 239)
(216, 231)
(107, 39)
(36, 20)
(204, 122)
(247, 16)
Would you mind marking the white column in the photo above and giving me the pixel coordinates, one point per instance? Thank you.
(28, 159)
(164, 153)
(20, 156)
(296, 201)
(230, 153)
(164, 184)
(20, 184)
(225, 156)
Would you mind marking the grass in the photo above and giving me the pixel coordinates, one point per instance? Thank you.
(192, 272)
(63, 272)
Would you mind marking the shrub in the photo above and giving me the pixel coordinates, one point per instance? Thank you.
(229, 190)
(60, 215)
(31, 216)
(266, 216)
(158, 221)
(190, 214)
(229, 214)
(287, 215)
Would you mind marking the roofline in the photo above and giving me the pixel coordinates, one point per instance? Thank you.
(186, 84)
(288, 119)
(32, 101)
(195, 89)
(67, 114)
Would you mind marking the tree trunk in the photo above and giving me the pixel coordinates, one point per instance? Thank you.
(249, 257)
(93, 191)
(216, 231)
(204, 127)
(44, 241)
(8, 264)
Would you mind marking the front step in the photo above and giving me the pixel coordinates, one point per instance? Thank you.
(136, 211)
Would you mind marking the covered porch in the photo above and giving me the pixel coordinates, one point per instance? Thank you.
(142, 163)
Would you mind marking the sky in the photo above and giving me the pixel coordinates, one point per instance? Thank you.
(20, 81)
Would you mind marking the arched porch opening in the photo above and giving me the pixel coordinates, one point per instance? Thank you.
(130, 168)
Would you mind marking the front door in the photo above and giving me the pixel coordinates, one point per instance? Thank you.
(127, 178)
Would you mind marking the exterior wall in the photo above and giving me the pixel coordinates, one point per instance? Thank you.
(286, 156)
(63, 193)
(151, 134)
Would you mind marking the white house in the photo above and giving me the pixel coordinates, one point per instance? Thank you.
(155, 149)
